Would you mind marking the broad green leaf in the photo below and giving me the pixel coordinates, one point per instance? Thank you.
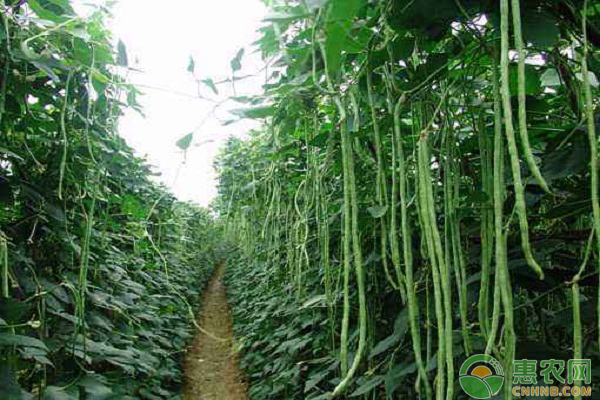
(400, 329)
(403, 47)
(99, 79)
(191, 65)
(55, 212)
(132, 98)
(209, 82)
(550, 78)
(7, 339)
(591, 77)
(568, 161)
(532, 80)
(342, 10)
(569, 209)
(10, 153)
(393, 377)
(185, 141)
(79, 31)
(314, 379)
(47, 67)
(377, 211)
(254, 112)
(384, 345)
(122, 54)
(358, 43)
(279, 17)
(96, 386)
(315, 4)
(477, 196)
(57, 393)
(368, 385)
(15, 311)
(236, 62)
(52, 10)
(36, 354)
(540, 28)
(317, 301)
(338, 31)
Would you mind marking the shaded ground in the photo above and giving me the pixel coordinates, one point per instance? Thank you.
(211, 366)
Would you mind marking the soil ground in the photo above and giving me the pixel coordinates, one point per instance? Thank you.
(211, 368)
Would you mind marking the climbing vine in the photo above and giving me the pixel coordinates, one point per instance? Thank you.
(426, 179)
(98, 289)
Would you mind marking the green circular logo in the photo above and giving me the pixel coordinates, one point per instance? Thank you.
(478, 380)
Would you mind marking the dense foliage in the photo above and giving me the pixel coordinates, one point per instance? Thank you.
(425, 187)
(100, 267)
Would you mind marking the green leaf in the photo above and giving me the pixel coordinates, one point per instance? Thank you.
(79, 31)
(315, 4)
(53, 10)
(403, 47)
(236, 62)
(532, 80)
(284, 17)
(122, 54)
(96, 386)
(7, 339)
(550, 78)
(478, 197)
(185, 142)
(567, 161)
(334, 43)
(358, 43)
(317, 301)
(338, 31)
(47, 67)
(191, 65)
(400, 329)
(342, 10)
(377, 211)
(368, 385)
(57, 393)
(254, 112)
(4, 150)
(540, 28)
(36, 354)
(591, 77)
(314, 379)
(209, 82)
(14, 311)
(569, 209)
(393, 377)
(384, 345)
(55, 212)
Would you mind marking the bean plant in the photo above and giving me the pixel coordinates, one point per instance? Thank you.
(100, 266)
(424, 187)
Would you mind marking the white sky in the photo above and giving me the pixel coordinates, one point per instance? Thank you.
(160, 37)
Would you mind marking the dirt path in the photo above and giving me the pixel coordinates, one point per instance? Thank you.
(211, 366)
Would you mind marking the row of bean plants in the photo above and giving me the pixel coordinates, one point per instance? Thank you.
(424, 188)
(100, 267)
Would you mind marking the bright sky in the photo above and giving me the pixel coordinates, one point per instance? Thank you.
(160, 37)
